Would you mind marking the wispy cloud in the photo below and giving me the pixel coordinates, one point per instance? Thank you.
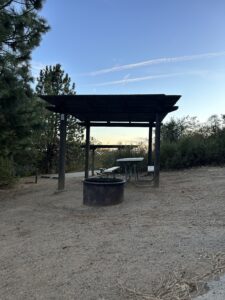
(156, 61)
(151, 77)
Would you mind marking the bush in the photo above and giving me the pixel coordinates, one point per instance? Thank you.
(194, 145)
(170, 156)
(7, 178)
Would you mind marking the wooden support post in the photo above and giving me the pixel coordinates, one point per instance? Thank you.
(157, 150)
(150, 146)
(93, 162)
(62, 152)
(87, 149)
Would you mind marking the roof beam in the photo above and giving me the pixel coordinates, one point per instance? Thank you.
(116, 124)
(93, 147)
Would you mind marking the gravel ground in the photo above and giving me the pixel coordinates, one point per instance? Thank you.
(216, 292)
(53, 247)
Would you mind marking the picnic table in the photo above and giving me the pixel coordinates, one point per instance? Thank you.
(130, 166)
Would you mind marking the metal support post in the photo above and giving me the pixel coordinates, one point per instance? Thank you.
(62, 152)
(87, 149)
(157, 150)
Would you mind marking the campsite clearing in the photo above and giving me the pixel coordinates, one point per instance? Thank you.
(158, 242)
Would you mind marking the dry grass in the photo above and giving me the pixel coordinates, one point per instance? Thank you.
(182, 285)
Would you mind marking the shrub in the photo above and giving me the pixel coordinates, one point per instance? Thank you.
(7, 178)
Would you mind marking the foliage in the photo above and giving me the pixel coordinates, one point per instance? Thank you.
(21, 29)
(174, 129)
(195, 144)
(185, 143)
(7, 177)
(53, 81)
(20, 32)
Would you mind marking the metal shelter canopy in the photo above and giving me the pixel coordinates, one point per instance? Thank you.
(145, 110)
(111, 109)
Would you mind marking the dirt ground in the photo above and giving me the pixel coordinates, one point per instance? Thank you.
(53, 247)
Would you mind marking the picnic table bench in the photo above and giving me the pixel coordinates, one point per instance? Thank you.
(109, 171)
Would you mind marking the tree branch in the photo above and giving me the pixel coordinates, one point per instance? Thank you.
(6, 4)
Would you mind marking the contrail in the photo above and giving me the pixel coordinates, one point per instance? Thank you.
(151, 77)
(156, 61)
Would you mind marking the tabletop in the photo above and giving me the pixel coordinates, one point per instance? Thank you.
(130, 159)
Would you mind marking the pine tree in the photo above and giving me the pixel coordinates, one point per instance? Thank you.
(20, 32)
(54, 81)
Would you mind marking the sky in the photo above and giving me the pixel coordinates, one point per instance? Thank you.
(139, 46)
